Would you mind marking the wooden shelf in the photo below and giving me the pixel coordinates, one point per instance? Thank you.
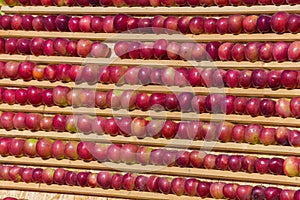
(250, 92)
(231, 147)
(213, 10)
(65, 189)
(161, 170)
(153, 63)
(28, 195)
(113, 37)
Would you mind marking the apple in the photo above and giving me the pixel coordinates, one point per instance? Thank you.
(37, 175)
(129, 153)
(57, 149)
(157, 156)
(144, 75)
(263, 24)
(281, 135)
(8, 121)
(4, 146)
(128, 181)
(294, 138)
(15, 173)
(243, 192)
(212, 50)
(23, 46)
(15, 147)
(116, 181)
(173, 50)
(237, 52)
(141, 183)
(295, 106)
(210, 25)
(258, 192)
(287, 194)
(84, 150)
(248, 163)
(70, 150)
(9, 96)
(203, 189)
(229, 190)
(279, 22)
(26, 174)
(46, 123)
(235, 23)
(262, 165)
(216, 190)
(224, 51)
(276, 166)
(209, 161)
(267, 107)
(224, 131)
(249, 23)
(252, 51)
(152, 183)
(294, 51)
(182, 158)
(143, 155)
(71, 178)
(164, 185)
(280, 51)
(27, 22)
(232, 78)
(293, 23)
(196, 25)
(272, 193)
(11, 45)
(43, 147)
(114, 152)
(99, 152)
(177, 186)
(29, 148)
(266, 52)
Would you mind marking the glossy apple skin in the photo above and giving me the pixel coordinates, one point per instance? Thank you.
(244, 192)
(279, 22)
(290, 166)
(235, 23)
(262, 165)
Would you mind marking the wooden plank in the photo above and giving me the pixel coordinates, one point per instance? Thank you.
(153, 63)
(172, 171)
(28, 195)
(231, 147)
(113, 37)
(65, 189)
(213, 10)
(250, 92)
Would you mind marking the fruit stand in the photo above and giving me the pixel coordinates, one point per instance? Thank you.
(150, 99)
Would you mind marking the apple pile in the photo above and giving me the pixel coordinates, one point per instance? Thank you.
(54, 47)
(182, 76)
(158, 24)
(145, 127)
(129, 99)
(227, 51)
(154, 3)
(135, 154)
(130, 181)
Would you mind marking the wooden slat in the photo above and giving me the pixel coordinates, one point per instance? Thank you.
(65, 189)
(154, 63)
(172, 171)
(113, 37)
(214, 10)
(232, 147)
(28, 195)
(250, 92)
(245, 119)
